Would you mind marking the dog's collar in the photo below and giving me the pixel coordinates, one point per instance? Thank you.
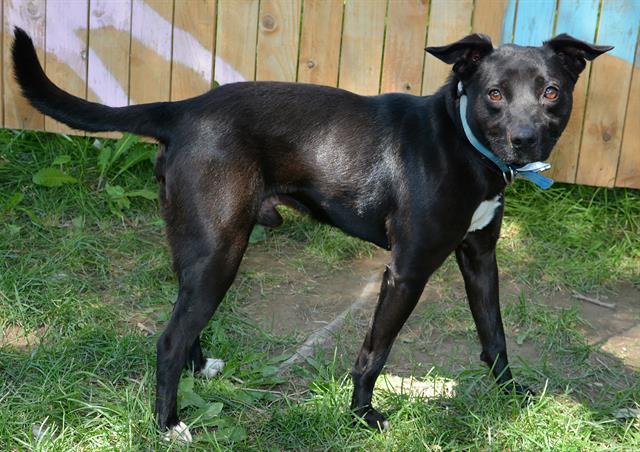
(529, 171)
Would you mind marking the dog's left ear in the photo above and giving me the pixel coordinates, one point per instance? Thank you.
(465, 54)
(574, 53)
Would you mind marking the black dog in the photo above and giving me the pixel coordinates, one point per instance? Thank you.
(396, 170)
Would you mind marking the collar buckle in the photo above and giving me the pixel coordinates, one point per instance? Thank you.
(509, 177)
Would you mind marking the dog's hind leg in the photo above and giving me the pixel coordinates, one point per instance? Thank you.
(203, 284)
(476, 257)
(207, 240)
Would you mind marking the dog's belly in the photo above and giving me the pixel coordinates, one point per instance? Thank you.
(484, 213)
(364, 225)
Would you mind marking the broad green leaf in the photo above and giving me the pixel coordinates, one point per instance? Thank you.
(118, 196)
(144, 193)
(61, 160)
(186, 384)
(258, 234)
(52, 177)
(115, 191)
(135, 157)
(187, 399)
(13, 201)
(208, 412)
(231, 434)
(268, 371)
(104, 157)
(123, 145)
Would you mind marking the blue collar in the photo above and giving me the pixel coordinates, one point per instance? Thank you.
(529, 171)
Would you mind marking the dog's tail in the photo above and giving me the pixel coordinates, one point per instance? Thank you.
(153, 120)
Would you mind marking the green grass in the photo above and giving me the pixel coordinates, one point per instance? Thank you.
(79, 270)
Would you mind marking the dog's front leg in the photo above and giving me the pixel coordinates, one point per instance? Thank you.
(476, 257)
(399, 294)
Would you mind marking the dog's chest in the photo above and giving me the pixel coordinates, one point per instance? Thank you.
(484, 213)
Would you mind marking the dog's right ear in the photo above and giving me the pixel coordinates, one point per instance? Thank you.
(465, 54)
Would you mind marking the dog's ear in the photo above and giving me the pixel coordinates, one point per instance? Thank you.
(465, 54)
(574, 53)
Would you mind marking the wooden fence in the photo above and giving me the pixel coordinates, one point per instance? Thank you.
(123, 52)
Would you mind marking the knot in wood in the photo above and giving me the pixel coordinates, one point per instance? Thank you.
(606, 136)
(268, 22)
(33, 9)
(311, 64)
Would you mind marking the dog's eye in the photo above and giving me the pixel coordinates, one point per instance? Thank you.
(551, 93)
(495, 95)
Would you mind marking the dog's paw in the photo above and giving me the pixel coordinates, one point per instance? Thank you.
(212, 368)
(519, 390)
(374, 420)
(179, 432)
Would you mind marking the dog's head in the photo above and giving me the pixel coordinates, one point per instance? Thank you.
(519, 98)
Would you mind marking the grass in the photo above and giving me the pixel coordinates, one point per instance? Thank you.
(85, 286)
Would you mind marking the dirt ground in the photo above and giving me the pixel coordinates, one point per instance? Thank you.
(301, 299)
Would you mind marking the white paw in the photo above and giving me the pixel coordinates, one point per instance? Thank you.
(212, 368)
(180, 433)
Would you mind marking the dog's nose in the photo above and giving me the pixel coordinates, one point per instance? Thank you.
(523, 138)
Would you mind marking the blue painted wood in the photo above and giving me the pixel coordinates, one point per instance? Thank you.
(619, 21)
(578, 18)
(508, 22)
(534, 21)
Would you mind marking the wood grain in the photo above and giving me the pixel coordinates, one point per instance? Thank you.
(236, 40)
(150, 73)
(278, 33)
(193, 44)
(30, 16)
(628, 174)
(488, 18)
(320, 42)
(66, 45)
(362, 39)
(608, 91)
(450, 20)
(404, 46)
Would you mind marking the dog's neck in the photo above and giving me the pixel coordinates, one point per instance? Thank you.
(447, 95)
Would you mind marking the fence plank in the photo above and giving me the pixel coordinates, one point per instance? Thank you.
(509, 22)
(109, 41)
(404, 46)
(608, 90)
(279, 31)
(66, 51)
(18, 114)
(150, 73)
(236, 40)
(362, 40)
(628, 174)
(489, 17)
(193, 43)
(449, 21)
(320, 42)
(579, 19)
(534, 22)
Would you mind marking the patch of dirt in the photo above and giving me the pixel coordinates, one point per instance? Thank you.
(303, 300)
(17, 337)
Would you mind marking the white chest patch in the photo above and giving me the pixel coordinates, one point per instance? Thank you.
(484, 213)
